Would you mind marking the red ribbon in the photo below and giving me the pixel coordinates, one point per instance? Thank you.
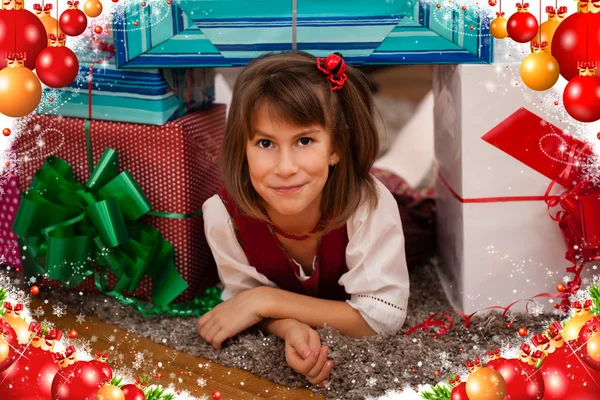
(15, 56)
(54, 334)
(34, 327)
(562, 10)
(61, 356)
(9, 307)
(72, 4)
(551, 11)
(540, 341)
(500, 14)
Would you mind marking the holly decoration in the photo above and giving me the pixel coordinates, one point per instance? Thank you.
(441, 391)
(20, 32)
(73, 21)
(522, 25)
(577, 38)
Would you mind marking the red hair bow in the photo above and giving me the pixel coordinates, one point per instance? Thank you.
(334, 67)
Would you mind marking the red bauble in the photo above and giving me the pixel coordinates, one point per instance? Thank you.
(459, 392)
(104, 367)
(523, 381)
(582, 97)
(589, 332)
(78, 381)
(30, 35)
(566, 377)
(73, 22)
(31, 376)
(133, 392)
(57, 67)
(8, 345)
(570, 46)
(522, 27)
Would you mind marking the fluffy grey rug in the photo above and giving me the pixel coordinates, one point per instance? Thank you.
(363, 367)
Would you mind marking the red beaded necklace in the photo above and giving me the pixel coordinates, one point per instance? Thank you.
(295, 237)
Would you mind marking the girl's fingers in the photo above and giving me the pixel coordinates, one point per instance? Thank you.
(316, 369)
(324, 373)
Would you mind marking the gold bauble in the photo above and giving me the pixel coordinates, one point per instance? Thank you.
(486, 384)
(548, 29)
(51, 25)
(110, 392)
(4, 349)
(92, 8)
(572, 328)
(19, 325)
(593, 348)
(20, 94)
(498, 27)
(539, 71)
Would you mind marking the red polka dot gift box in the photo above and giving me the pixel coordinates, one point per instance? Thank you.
(174, 166)
(9, 202)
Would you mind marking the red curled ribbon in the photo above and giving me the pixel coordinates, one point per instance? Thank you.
(334, 67)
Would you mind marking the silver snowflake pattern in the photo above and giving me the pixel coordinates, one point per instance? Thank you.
(38, 312)
(536, 309)
(59, 309)
(371, 382)
(201, 382)
(80, 318)
(93, 338)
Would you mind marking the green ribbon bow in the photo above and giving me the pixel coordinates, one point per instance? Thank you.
(65, 228)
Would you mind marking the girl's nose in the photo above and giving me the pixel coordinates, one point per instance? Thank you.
(287, 165)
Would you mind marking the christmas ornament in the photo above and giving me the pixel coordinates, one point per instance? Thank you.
(589, 343)
(34, 290)
(547, 29)
(577, 38)
(6, 132)
(13, 313)
(110, 392)
(498, 26)
(101, 363)
(539, 71)
(20, 89)
(522, 332)
(50, 23)
(8, 344)
(72, 334)
(216, 395)
(521, 377)
(20, 32)
(561, 287)
(566, 376)
(30, 377)
(98, 29)
(581, 97)
(76, 379)
(73, 21)
(484, 383)
(522, 25)
(134, 391)
(459, 389)
(92, 8)
(492, 3)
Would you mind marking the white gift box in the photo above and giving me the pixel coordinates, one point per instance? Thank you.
(492, 251)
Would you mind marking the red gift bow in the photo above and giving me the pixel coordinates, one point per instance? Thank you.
(61, 356)
(539, 46)
(54, 334)
(9, 307)
(540, 341)
(550, 11)
(500, 14)
(35, 328)
(562, 10)
(554, 329)
(536, 355)
(73, 4)
(522, 7)
(15, 56)
(526, 349)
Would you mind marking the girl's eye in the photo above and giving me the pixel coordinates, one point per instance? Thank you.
(305, 141)
(264, 143)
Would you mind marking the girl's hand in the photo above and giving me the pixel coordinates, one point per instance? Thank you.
(305, 355)
(231, 317)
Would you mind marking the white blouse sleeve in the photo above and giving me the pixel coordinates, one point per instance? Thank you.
(232, 264)
(377, 277)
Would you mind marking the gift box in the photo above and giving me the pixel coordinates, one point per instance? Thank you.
(496, 162)
(144, 96)
(9, 202)
(174, 167)
(196, 33)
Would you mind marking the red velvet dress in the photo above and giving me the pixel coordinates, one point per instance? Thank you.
(270, 259)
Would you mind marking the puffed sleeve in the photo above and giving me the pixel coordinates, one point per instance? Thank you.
(232, 264)
(377, 277)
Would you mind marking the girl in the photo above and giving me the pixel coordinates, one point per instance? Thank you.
(302, 233)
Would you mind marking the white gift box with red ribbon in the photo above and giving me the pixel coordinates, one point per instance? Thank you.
(496, 162)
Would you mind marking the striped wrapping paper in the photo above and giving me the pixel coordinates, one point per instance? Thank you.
(175, 165)
(145, 96)
(233, 32)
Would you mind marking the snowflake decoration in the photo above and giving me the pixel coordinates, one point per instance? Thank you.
(201, 382)
(80, 318)
(536, 309)
(59, 309)
(94, 339)
(371, 382)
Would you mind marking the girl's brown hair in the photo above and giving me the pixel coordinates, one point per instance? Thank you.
(298, 92)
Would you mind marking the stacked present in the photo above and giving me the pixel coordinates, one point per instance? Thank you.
(514, 201)
(110, 189)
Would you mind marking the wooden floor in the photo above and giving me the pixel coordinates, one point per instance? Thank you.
(233, 384)
(410, 82)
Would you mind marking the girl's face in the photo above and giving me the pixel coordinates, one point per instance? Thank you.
(288, 165)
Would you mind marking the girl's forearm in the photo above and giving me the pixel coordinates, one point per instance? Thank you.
(282, 305)
(277, 327)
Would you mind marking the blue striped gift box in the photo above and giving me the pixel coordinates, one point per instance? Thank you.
(146, 96)
(233, 32)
